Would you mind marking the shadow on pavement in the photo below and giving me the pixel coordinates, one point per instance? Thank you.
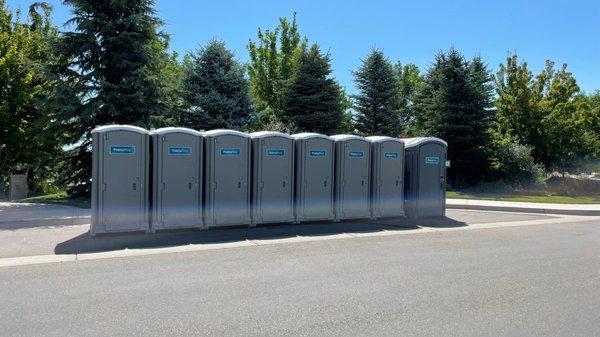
(84, 243)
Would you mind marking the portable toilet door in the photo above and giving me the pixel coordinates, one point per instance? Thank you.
(352, 177)
(313, 187)
(272, 177)
(119, 179)
(177, 178)
(387, 176)
(227, 178)
(425, 176)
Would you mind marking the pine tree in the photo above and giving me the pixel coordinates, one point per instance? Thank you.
(455, 105)
(376, 104)
(216, 91)
(314, 101)
(115, 75)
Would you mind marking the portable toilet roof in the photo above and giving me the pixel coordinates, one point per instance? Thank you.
(117, 127)
(377, 139)
(170, 129)
(262, 134)
(347, 137)
(218, 132)
(304, 135)
(416, 141)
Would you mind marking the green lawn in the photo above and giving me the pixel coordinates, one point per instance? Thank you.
(556, 199)
(59, 198)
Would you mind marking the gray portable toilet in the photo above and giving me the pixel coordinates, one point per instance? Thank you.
(226, 178)
(176, 178)
(387, 176)
(120, 165)
(272, 177)
(352, 177)
(313, 187)
(425, 177)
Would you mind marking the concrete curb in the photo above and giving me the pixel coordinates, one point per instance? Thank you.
(525, 207)
(45, 222)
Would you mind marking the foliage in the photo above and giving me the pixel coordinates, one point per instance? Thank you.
(314, 101)
(115, 72)
(272, 62)
(455, 104)
(546, 112)
(26, 145)
(216, 91)
(513, 164)
(409, 82)
(376, 104)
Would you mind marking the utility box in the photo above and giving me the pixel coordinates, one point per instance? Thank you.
(272, 177)
(352, 177)
(176, 178)
(226, 178)
(425, 177)
(120, 165)
(387, 176)
(313, 188)
(18, 187)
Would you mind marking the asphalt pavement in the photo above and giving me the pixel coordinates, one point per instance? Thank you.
(463, 277)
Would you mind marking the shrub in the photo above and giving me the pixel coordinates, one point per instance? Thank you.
(513, 164)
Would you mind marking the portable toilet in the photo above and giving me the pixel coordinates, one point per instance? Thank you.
(387, 176)
(226, 178)
(352, 177)
(272, 177)
(313, 188)
(425, 177)
(176, 178)
(120, 165)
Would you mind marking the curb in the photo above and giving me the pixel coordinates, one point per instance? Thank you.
(525, 209)
(45, 222)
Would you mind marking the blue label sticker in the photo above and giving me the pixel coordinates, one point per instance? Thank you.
(391, 155)
(275, 152)
(317, 153)
(180, 151)
(356, 154)
(230, 152)
(432, 160)
(119, 149)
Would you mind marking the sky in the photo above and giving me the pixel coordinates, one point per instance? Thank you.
(407, 31)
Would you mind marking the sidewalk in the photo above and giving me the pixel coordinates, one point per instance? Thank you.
(526, 207)
(26, 215)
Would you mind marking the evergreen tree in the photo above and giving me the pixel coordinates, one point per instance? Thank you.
(115, 74)
(216, 91)
(455, 104)
(26, 142)
(376, 104)
(314, 102)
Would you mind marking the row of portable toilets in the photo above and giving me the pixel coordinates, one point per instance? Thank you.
(180, 178)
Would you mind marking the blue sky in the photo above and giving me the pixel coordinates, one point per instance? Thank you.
(407, 31)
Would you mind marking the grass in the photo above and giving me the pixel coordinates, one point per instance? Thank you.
(543, 198)
(60, 198)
